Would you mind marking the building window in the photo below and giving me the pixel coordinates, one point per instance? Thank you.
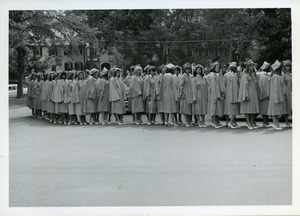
(225, 52)
(52, 51)
(53, 68)
(200, 53)
(78, 66)
(216, 52)
(80, 49)
(206, 52)
(190, 52)
(38, 51)
(68, 66)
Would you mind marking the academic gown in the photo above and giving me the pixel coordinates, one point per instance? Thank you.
(264, 93)
(48, 97)
(169, 96)
(214, 94)
(150, 94)
(37, 90)
(29, 101)
(135, 92)
(103, 93)
(188, 95)
(127, 82)
(43, 94)
(176, 87)
(232, 106)
(68, 97)
(90, 95)
(200, 105)
(96, 84)
(79, 97)
(61, 88)
(288, 90)
(159, 87)
(248, 96)
(277, 102)
(117, 96)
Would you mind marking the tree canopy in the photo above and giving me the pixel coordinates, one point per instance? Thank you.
(145, 36)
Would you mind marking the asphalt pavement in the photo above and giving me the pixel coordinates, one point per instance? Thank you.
(131, 165)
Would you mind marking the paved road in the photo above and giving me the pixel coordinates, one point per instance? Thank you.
(58, 165)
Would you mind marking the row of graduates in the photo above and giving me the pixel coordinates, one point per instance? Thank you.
(167, 90)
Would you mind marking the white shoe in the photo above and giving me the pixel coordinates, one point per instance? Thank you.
(231, 126)
(249, 127)
(215, 126)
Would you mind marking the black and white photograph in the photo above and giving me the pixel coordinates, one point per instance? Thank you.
(141, 106)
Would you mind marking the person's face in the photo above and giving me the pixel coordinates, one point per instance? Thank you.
(176, 72)
(33, 77)
(153, 71)
(52, 76)
(251, 67)
(63, 76)
(96, 75)
(288, 68)
(81, 76)
(217, 68)
(118, 74)
(199, 71)
(188, 70)
(139, 72)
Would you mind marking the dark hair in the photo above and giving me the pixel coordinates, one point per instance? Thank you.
(63, 73)
(213, 69)
(170, 70)
(202, 71)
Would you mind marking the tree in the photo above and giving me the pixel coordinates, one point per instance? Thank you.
(31, 28)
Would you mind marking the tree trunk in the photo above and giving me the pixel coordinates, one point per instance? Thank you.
(20, 72)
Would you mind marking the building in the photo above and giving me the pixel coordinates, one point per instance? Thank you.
(68, 58)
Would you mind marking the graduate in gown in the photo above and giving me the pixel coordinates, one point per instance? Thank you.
(200, 105)
(90, 95)
(45, 83)
(215, 97)
(159, 96)
(30, 93)
(169, 95)
(264, 93)
(69, 89)
(232, 107)
(149, 95)
(117, 96)
(37, 90)
(79, 98)
(187, 94)
(248, 95)
(277, 105)
(61, 88)
(145, 77)
(55, 98)
(135, 92)
(287, 77)
(103, 94)
(96, 81)
(127, 81)
(176, 82)
(50, 103)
